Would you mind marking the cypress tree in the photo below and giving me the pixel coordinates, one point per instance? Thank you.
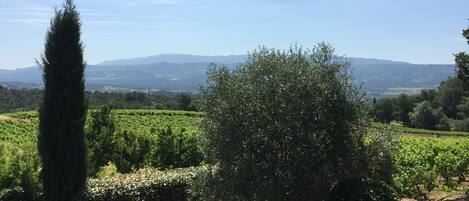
(61, 140)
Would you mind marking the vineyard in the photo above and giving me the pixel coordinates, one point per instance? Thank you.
(422, 163)
(417, 131)
(21, 128)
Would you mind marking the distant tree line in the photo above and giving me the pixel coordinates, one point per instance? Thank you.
(444, 108)
(19, 99)
(12, 100)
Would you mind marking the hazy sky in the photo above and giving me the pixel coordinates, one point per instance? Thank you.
(417, 31)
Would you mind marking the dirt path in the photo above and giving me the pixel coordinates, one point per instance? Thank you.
(5, 118)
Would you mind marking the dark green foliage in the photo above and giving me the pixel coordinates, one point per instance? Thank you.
(14, 194)
(134, 100)
(442, 121)
(427, 95)
(129, 151)
(100, 138)
(460, 125)
(384, 110)
(463, 108)
(449, 96)
(358, 189)
(177, 149)
(17, 99)
(423, 116)
(165, 148)
(61, 139)
(12, 100)
(394, 109)
(185, 101)
(380, 147)
(284, 125)
(462, 61)
(19, 173)
(443, 107)
(405, 106)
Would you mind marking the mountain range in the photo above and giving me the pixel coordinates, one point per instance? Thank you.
(175, 72)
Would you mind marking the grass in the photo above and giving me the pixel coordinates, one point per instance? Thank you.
(418, 131)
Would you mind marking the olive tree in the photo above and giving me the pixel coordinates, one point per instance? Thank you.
(284, 125)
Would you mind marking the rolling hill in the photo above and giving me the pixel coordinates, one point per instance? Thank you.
(187, 72)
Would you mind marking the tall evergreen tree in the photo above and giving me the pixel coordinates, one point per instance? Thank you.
(61, 139)
(405, 106)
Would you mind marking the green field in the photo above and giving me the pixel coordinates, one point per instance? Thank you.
(417, 131)
(21, 128)
(421, 161)
(19, 160)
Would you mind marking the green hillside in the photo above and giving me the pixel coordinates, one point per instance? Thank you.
(420, 161)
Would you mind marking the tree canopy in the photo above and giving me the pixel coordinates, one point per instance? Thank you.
(284, 125)
(61, 139)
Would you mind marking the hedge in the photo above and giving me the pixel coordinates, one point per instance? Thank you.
(146, 184)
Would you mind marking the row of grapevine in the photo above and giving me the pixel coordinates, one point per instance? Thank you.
(19, 161)
(419, 131)
(423, 164)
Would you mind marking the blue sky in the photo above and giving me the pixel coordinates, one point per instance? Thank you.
(417, 31)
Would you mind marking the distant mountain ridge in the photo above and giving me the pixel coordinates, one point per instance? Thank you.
(228, 59)
(188, 72)
(177, 59)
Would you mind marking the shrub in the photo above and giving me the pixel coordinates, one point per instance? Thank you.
(130, 151)
(125, 149)
(284, 125)
(19, 173)
(449, 96)
(146, 184)
(110, 170)
(423, 117)
(100, 133)
(380, 147)
(358, 189)
(459, 125)
(177, 149)
(384, 110)
(463, 108)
